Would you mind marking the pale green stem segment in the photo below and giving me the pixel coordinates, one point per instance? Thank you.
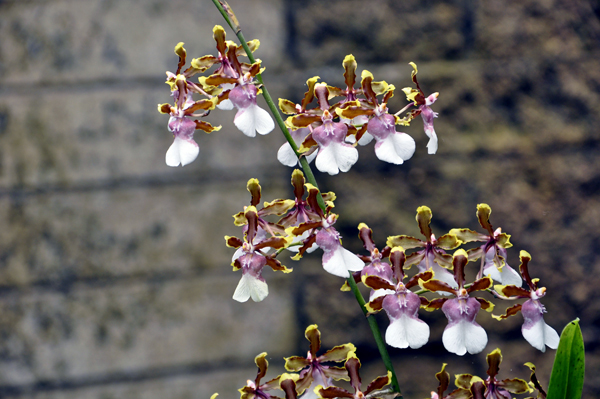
(310, 177)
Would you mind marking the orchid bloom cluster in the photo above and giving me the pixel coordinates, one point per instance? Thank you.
(327, 126)
(474, 387)
(330, 132)
(312, 377)
(327, 132)
(303, 227)
(230, 85)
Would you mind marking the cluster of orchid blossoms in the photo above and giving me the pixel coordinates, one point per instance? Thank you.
(314, 377)
(328, 132)
(303, 226)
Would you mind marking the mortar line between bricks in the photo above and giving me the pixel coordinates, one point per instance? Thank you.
(67, 284)
(125, 377)
(149, 181)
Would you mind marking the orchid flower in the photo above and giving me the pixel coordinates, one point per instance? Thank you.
(183, 114)
(335, 154)
(400, 304)
(375, 264)
(491, 388)
(312, 370)
(302, 211)
(462, 334)
(433, 255)
(286, 154)
(493, 252)
(353, 366)
(336, 259)
(253, 260)
(423, 104)
(534, 329)
(391, 146)
(256, 390)
(250, 118)
(444, 382)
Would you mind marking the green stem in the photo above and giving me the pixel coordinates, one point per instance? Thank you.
(310, 177)
(377, 335)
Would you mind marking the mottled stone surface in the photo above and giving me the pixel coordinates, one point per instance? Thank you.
(114, 278)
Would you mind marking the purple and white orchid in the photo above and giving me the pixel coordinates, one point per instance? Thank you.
(534, 329)
(493, 251)
(400, 304)
(391, 146)
(250, 118)
(462, 334)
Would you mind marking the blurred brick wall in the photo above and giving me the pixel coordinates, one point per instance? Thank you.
(114, 280)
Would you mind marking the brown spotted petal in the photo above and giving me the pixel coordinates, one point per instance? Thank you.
(287, 384)
(332, 392)
(524, 269)
(424, 219)
(203, 63)
(308, 243)
(464, 381)
(515, 385)
(181, 53)
(202, 105)
(485, 304)
(434, 304)
(378, 383)
(273, 242)
(310, 93)
(483, 215)
(415, 258)
(503, 240)
(277, 207)
(377, 283)
(287, 107)
(251, 215)
(513, 310)
(206, 127)
(482, 284)
(414, 280)
(233, 242)
(313, 335)
(535, 382)
(352, 109)
(405, 242)
(444, 260)
(397, 259)
(366, 236)
(467, 235)
(448, 241)
(253, 188)
(276, 265)
(337, 354)
(299, 230)
(302, 120)
(444, 380)
(337, 373)
(375, 305)
(263, 365)
(436, 285)
(493, 360)
(512, 291)
(295, 363)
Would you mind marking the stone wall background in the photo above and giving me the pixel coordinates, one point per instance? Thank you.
(114, 280)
